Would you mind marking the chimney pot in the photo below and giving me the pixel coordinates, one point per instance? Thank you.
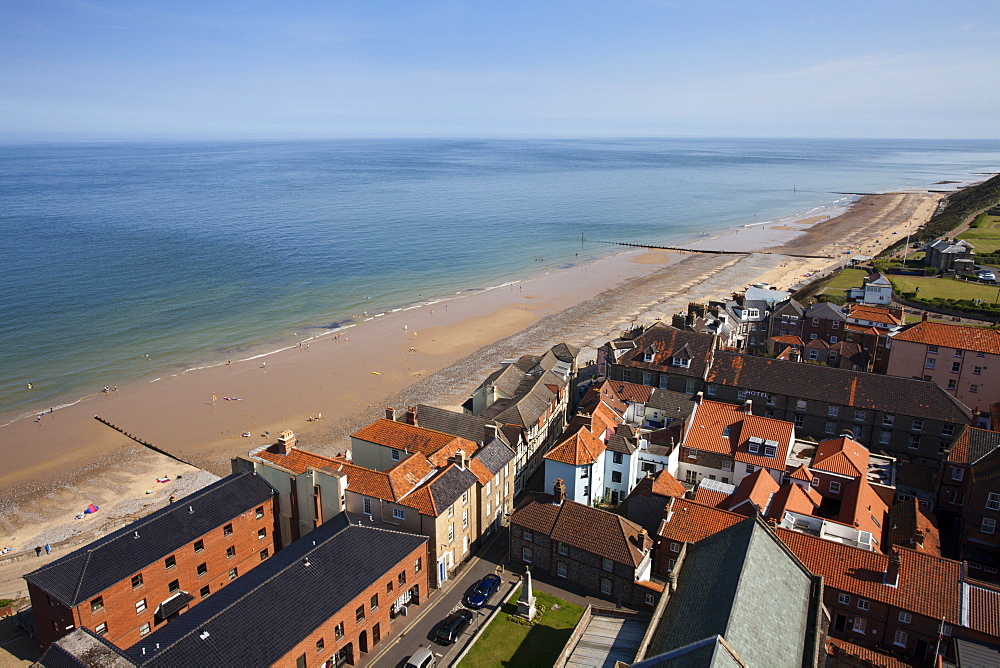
(748, 406)
(699, 397)
(390, 413)
(492, 432)
(559, 491)
(891, 576)
(286, 442)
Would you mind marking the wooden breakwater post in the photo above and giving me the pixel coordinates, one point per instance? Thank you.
(143, 443)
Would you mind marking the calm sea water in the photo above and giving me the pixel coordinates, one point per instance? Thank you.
(191, 252)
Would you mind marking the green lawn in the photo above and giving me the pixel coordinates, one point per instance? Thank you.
(946, 288)
(848, 278)
(986, 237)
(505, 643)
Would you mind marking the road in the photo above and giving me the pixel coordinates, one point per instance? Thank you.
(420, 633)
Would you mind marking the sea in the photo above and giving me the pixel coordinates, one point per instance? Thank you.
(126, 261)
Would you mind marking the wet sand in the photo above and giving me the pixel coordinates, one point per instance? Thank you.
(434, 354)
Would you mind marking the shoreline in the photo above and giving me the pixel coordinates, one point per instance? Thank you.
(404, 356)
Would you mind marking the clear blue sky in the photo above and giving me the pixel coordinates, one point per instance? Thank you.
(839, 68)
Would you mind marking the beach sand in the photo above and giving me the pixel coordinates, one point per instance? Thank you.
(434, 354)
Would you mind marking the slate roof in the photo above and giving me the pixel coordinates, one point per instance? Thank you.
(263, 615)
(825, 311)
(666, 341)
(471, 427)
(445, 488)
(899, 396)
(972, 444)
(961, 337)
(676, 404)
(590, 529)
(578, 449)
(644, 504)
(85, 573)
(928, 585)
(494, 455)
(742, 584)
(843, 456)
(618, 443)
(565, 352)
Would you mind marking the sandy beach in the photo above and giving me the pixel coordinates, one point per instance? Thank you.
(434, 354)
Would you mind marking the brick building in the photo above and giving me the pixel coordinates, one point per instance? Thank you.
(594, 549)
(327, 600)
(129, 583)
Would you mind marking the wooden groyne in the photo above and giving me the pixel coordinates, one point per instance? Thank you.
(710, 251)
(145, 443)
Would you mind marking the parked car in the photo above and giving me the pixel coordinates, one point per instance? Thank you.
(453, 625)
(986, 275)
(422, 658)
(483, 591)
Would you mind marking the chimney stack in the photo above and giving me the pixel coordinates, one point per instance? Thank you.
(459, 459)
(698, 397)
(559, 491)
(641, 539)
(491, 432)
(918, 538)
(891, 576)
(390, 413)
(286, 442)
(411, 415)
(748, 406)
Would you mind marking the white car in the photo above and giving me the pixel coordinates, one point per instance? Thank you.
(985, 275)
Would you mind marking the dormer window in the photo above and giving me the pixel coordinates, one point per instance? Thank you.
(770, 451)
(684, 362)
(648, 355)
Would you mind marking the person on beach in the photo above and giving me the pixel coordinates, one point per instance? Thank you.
(38, 550)
(48, 549)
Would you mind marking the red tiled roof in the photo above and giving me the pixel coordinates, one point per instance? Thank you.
(711, 497)
(863, 508)
(757, 488)
(580, 448)
(603, 418)
(790, 339)
(665, 484)
(802, 473)
(842, 455)
(960, 337)
(688, 521)
(983, 612)
(298, 461)
(792, 498)
(403, 436)
(872, 657)
(591, 529)
(712, 418)
(863, 329)
(873, 314)
(927, 585)
(908, 520)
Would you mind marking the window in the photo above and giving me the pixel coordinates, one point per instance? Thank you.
(260, 512)
(957, 474)
(948, 430)
(616, 476)
(988, 526)
(96, 604)
(650, 599)
(973, 388)
(710, 390)
(144, 629)
(834, 487)
(930, 363)
(888, 420)
(169, 562)
(815, 322)
(689, 386)
(199, 545)
(993, 501)
(401, 578)
(528, 535)
(800, 405)
(465, 518)
(899, 639)
(859, 415)
(136, 581)
(932, 350)
(561, 569)
(174, 585)
(395, 455)
(856, 430)
(675, 547)
(814, 482)
(202, 569)
(606, 586)
(833, 339)
(234, 573)
(770, 451)
(140, 606)
(905, 617)
(813, 354)
(977, 370)
(451, 532)
(832, 411)
(261, 533)
(227, 530)
(617, 457)
(417, 565)
(607, 564)
(647, 378)
(918, 425)
(320, 645)
(958, 353)
(863, 604)
(359, 614)
(952, 383)
(844, 599)
(398, 514)
(264, 554)
(563, 549)
(750, 468)
(684, 362)
(859, 624)
(831, 427)
(205, 591)
(914, 442)
(526, 555)
(368, 506)
(451, 508)
(465, 496)
(230, 552)
(884, 437)
(374, 602)
(101, 628)
(799, 420)
(338, 631)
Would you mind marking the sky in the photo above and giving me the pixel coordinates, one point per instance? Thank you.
(724, 68)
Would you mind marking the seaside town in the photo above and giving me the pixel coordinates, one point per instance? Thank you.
(798, 470)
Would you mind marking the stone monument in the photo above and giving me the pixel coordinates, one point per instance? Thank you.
(526, 602)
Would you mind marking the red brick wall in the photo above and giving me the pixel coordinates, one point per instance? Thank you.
(381, 616)
(119, 609)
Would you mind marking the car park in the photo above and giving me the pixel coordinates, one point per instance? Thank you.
(453, 625)
(483, 591)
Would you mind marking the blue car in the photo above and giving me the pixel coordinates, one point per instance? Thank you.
(483, 590)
